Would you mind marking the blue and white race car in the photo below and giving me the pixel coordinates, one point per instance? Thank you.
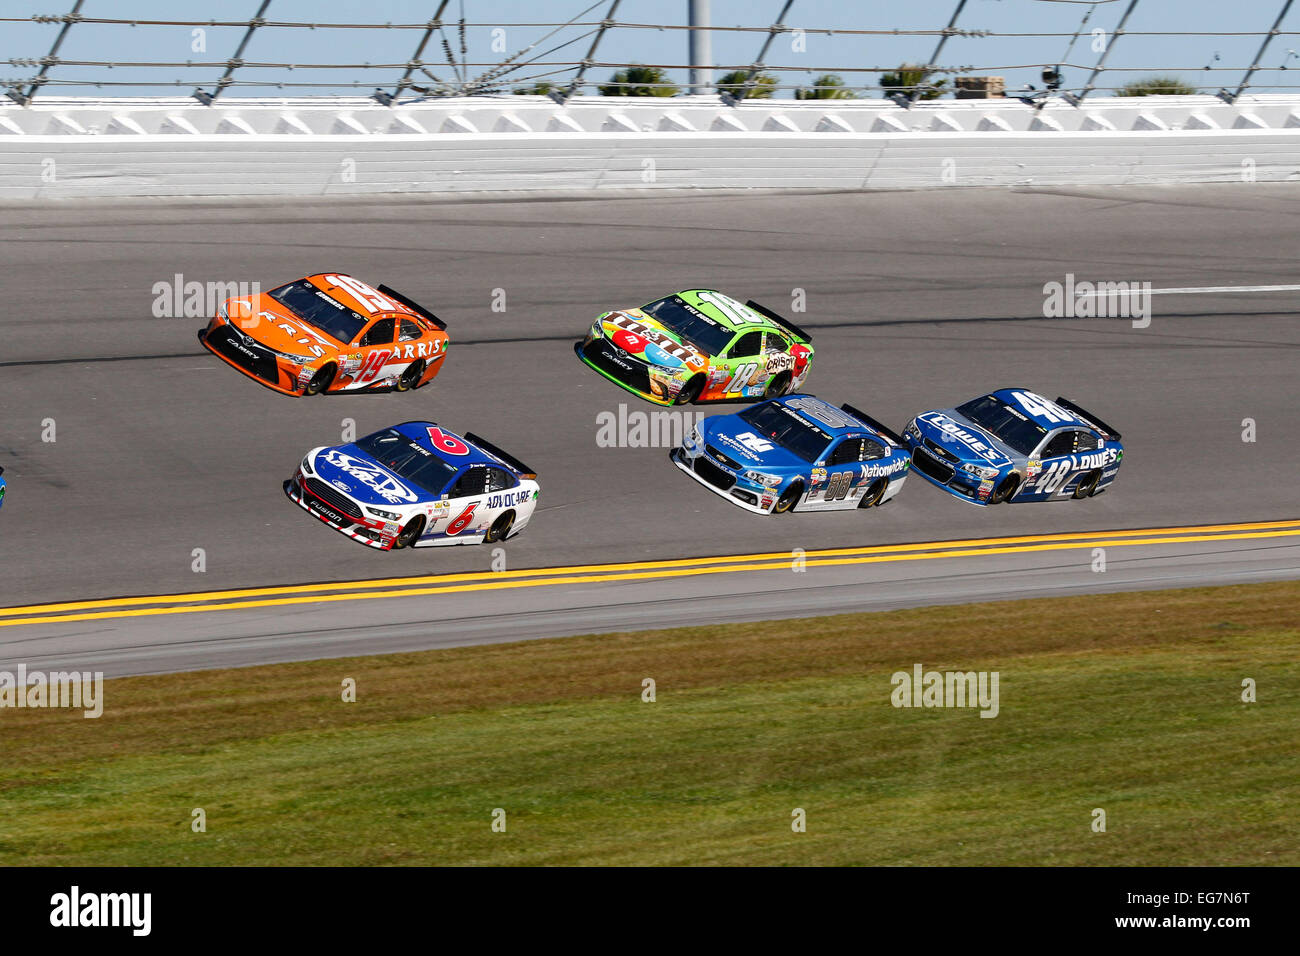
(795, 452)
(1014, 445)
(416, 485)
(2, 488)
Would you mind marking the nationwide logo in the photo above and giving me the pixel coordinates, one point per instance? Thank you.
(386, 485)
(881, 471)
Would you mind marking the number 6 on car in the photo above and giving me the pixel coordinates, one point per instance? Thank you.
(416, 485)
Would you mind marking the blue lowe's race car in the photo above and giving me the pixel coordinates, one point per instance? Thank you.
(795, 452)
(416, 485)
(2, 488)
(1014, 445)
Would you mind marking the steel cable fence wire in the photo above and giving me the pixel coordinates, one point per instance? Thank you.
(497, 70)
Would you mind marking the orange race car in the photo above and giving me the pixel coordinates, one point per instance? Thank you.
(328, 333)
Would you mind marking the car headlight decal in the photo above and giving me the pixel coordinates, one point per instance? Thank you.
(758, 478)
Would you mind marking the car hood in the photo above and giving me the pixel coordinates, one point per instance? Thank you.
(359, 476)
(737, 439)
(958, 435)
(269, 323)
(646, 339)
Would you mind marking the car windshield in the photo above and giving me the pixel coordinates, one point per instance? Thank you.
(792, 432)
(1008, 425)
(317, 309)
(408, 459)
(696, 329)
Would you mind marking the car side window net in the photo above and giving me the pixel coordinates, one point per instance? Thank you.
(1062, 444)
(499, 480)
(473, 482)
(751, 343)
(381, 333)
(848, 450)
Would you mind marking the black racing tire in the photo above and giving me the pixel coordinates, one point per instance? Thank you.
(1087, 486)
(779, 385)
(871, 497)
(1007, 487)
(500, 528)
(413, 373)
(410, 534)
(789, 498)
(690, 391)
(322, 380)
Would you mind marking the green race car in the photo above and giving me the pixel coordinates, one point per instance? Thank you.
(698, 346)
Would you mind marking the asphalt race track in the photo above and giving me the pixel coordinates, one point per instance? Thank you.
(916, 300)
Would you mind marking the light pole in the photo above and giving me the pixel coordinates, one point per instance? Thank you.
(701, 46)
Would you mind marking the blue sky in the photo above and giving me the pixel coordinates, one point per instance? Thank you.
(1011, 57)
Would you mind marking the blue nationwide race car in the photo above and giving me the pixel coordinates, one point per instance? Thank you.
(416, 485)
(795, 452)
(1014, 445)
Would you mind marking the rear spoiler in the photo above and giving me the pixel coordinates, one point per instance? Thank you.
(511, 460)
(413, 306)
(868, 420)
(780, 320)
(1084, 413)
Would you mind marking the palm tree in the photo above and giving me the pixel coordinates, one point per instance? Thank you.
(540, 88)
(827, 87)
(907, 78)
(1157, 86)
(761, 85)
(639, 81)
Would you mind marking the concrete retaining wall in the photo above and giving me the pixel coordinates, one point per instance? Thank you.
(77, 148)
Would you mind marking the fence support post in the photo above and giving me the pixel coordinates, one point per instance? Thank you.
(22, 99)
(1101, 62)
(234, 62)
(1231, 98)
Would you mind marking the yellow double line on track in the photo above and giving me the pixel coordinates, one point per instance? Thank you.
(633, 571)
